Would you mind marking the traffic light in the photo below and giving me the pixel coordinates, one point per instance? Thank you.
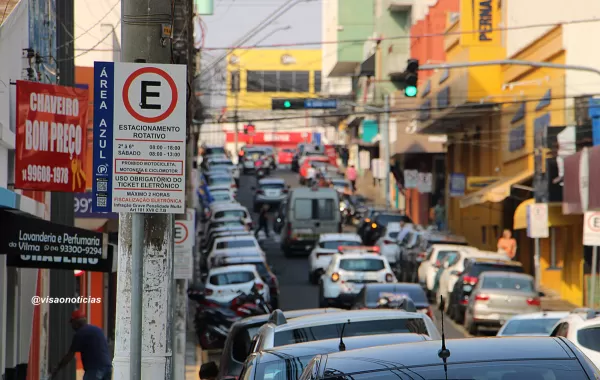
(249, 129)
(411, 78)
(287, 104)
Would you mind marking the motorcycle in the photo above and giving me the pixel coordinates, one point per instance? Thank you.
(347, 211)
(259, 168)
(247, 305)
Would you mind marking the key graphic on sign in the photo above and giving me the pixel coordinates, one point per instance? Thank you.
(78, 173)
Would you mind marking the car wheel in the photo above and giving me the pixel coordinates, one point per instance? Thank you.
(314, 277)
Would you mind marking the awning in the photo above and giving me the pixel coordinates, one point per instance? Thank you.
(453, 118)
(555, 216)
(497, 191)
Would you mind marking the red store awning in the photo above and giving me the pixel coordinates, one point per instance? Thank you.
(571, 188)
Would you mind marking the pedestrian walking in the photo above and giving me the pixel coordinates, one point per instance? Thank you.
(263, 221)
(507, 244)
(91, 343)
(351, 176)
(439, 215)
(311, 174)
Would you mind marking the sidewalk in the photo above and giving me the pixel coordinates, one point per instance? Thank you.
(552, 302)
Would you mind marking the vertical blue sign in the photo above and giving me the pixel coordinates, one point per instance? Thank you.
(594, 113)
(103, 136)
(316, 138)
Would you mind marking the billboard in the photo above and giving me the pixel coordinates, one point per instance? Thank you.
(51, 138)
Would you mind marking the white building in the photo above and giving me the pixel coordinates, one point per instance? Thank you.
(97, 31)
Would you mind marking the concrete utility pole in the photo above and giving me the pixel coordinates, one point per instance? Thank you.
(515, 62)
(144, 312)
(236, 119)
(385, 139)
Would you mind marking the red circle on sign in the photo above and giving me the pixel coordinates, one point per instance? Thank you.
(591, 225)
(185, 236)
(150, 70)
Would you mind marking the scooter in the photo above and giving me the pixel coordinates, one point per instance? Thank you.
(247, 305)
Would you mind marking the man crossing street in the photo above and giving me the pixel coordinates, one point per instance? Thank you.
(263, 221)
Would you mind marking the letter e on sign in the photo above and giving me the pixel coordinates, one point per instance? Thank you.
(148, 95)
(183, 234)
(591, 228)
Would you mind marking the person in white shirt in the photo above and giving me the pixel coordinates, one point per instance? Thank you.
(311, 172)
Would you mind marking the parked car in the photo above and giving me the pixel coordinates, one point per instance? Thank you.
(269, 191)
(370, 294)
(532, 324)
(327, 246)
(582, 328)
(388, 242)
(223, 284)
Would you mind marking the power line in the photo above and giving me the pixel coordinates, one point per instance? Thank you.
(118, 2)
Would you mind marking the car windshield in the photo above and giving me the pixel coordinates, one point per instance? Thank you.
(231, 278)
(362, 328)
(334, 244)
(219, 180)
(590, 338)
(230, 214)
(384, 219)
(564, 369)
(479, 268)
(286, 369)
(225, 223)
(220, 168)
(530, 326)
(211, 151)
(508, 283)
(221, 196)
(414, 293)
(442, 254)
(362, 265)
(236, 244)
(315, 209)
(272, 186)
(393, 235)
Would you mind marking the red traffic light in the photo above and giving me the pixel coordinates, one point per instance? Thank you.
(249, 129)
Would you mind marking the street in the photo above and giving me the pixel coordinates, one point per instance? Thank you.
(296, 292)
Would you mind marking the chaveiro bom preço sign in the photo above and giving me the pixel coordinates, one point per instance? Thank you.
(51, 137)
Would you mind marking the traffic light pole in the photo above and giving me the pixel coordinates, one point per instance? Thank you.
(236, 124)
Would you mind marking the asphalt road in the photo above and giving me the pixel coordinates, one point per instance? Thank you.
(296, 291)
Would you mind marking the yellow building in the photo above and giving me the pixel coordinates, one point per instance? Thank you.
(255, 76)
(495, 118)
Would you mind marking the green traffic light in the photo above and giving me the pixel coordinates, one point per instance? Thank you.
(410, 91)
(287, 104)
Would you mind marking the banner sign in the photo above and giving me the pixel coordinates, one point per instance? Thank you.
(83, 208)
(36, 243)
(51, 137)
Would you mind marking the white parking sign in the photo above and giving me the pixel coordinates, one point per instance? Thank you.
(537, 221)
(591, 228)
(139, 138)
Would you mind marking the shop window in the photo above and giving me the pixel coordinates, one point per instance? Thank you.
(254, 81)
(270, 81)
(317, 81)
(483, 234)
(301, 79)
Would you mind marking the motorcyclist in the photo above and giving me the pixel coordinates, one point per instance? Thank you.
(263, 221)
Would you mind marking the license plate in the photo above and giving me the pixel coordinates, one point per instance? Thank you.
(467, 288)
(273, 193)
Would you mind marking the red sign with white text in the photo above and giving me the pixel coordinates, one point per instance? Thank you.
(51, 137)
(270, 138)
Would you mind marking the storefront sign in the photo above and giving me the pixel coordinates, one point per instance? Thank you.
(411, 179)
(485, 20)
(36, 243)
(458, 184)
(478, 183)
(51, 137)
(83, 208)
(287, 59)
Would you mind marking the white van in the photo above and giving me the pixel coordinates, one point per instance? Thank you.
(310, 213)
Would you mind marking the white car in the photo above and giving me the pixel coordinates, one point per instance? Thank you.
(223, 284)
(220, 211)
(216, 188)
(582, 327)
(431, 264)
(532, 324)
(225, 165)
(388, 243)
(224, 196)
(454, 268)
(240, 245)
(346, 275)
(327, 246)
(222, 179)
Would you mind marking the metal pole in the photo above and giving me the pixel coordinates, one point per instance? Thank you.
(137, 289)
(536, 263)
(592, 302)
(385, 143)
(510, 62)
(235, 120)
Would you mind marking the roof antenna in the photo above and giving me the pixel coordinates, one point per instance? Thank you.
(444, 353)
(342, 346)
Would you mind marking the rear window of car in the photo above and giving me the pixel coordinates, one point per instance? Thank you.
(384, 219)
(272, 186)
(288, 150)
(219, 180)
(284, 369)
(225, 224)
(311, 209)
(335, 244)
(442, 254)
(236, 244)
(563, 369)
(479, 268)
(393, 235)
(230, 214)
(530, 326)
(414, 293)
(362, 265)
(221, 196)
(211, 151)
(589, 338)
(362, 328)
(507, 283)
(231, 278)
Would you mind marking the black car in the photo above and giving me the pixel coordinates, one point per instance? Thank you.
(367, 220)
(237, 345)
(288, 362)
(469, 278)
(370, 294)
(379, 221)
(495, 358)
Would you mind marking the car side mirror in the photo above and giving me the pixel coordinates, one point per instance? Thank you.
(209, 371)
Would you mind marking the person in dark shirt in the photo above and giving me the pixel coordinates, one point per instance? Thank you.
(90, 341)
(263, 221)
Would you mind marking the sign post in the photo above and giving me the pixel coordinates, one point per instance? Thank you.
(591, 237)
(139, 161)
(537, 228)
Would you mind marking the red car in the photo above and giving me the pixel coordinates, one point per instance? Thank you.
(285, 155)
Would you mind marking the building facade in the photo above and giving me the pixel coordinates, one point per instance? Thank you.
(498, 120)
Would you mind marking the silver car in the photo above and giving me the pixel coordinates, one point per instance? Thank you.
(271, 191)
(499, 296)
